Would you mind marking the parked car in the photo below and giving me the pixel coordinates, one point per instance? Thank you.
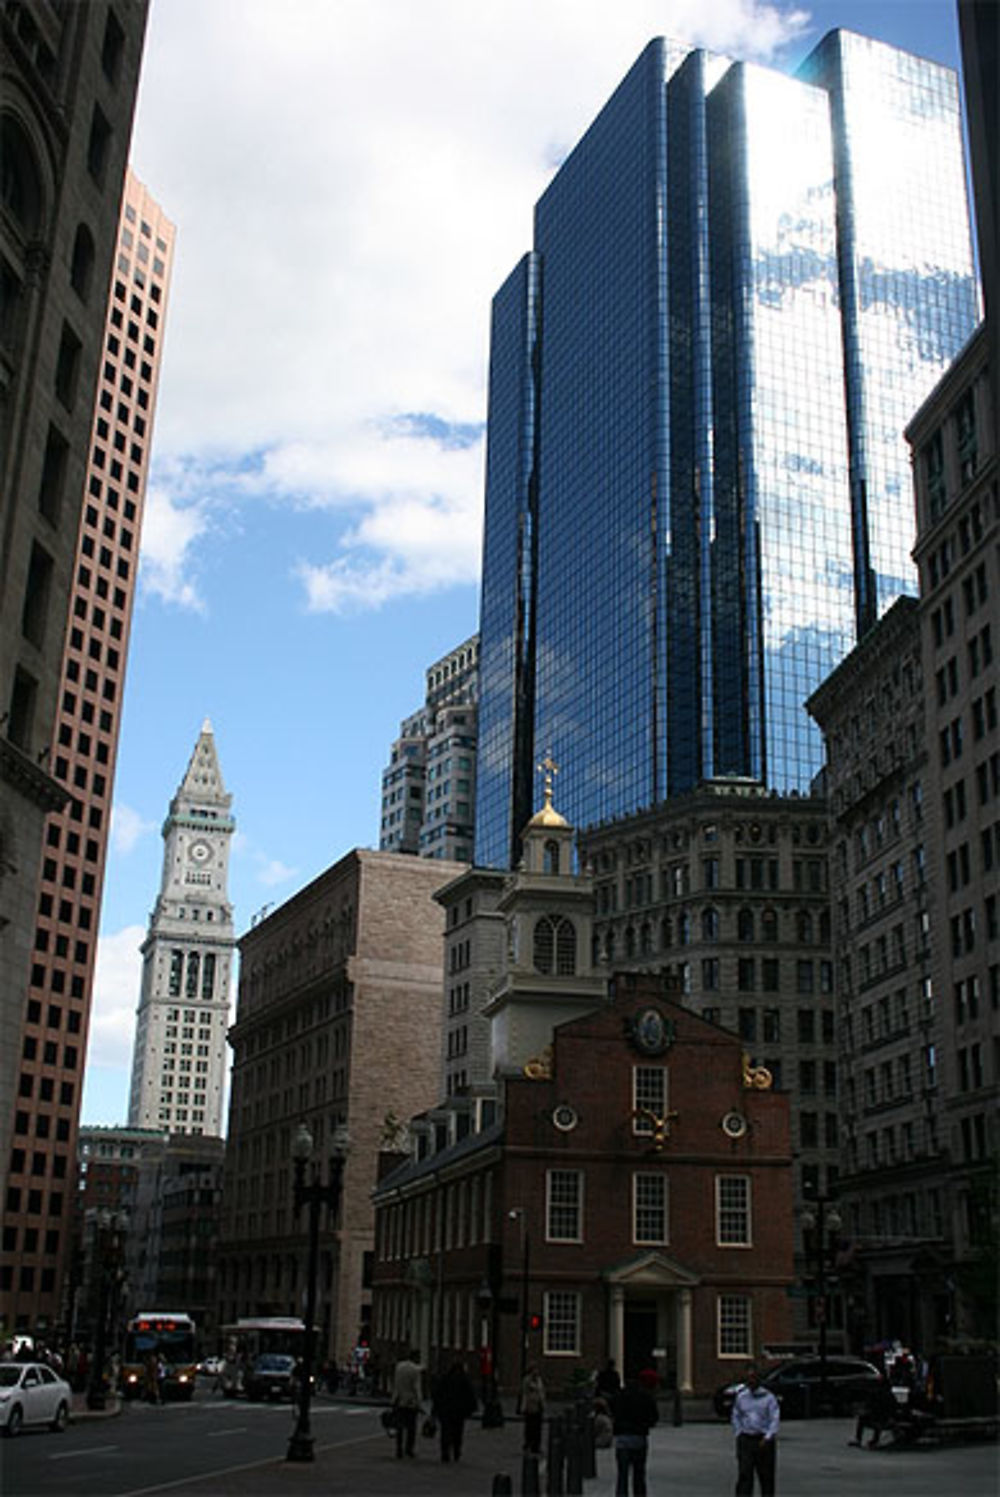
(797, 1385)
(31, 1393)
(211, 1367)
(272, 1376)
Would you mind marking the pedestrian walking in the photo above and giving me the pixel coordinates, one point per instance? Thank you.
(755, 1420)
(406, 1396)
(608, 1383)
(533, 1409)
(453, 1402)
(633, 1414)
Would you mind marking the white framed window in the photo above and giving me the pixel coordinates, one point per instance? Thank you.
(734, 1328)
(649, 1089)
(732, 1211)
(649, 1208)
(564, 1206)
(561, 1310)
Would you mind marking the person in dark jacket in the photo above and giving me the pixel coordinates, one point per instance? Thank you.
(634, 1413)
(453, 1401)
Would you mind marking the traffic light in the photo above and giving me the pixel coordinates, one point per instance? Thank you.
(534, 1322)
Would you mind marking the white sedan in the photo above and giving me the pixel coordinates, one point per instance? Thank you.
(31, 1393)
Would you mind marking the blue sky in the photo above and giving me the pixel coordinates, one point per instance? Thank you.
(351, 182)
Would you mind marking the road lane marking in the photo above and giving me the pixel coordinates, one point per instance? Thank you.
(67, 1455)
(215, 1434)
(204, 1476)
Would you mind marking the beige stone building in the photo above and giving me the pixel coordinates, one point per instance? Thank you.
(338, 1022)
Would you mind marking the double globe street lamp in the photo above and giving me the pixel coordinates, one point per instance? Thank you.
(310, 1191)
(818, 1224)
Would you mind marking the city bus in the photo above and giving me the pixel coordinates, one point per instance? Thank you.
(245, 1340)
(167, 1335)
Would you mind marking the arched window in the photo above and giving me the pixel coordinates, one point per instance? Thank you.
(804, 928)
(550, 861)
(646, 940)
(665, 934)
(20, 179)
(555, 945)
(81, 266)
(684, 928)
(609, 947)
(745, 925)
(710, 924)
(630, 941)
(769, 925)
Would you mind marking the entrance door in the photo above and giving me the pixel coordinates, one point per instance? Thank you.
(640, 1336)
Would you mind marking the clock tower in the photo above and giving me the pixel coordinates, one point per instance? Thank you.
(179, 1061)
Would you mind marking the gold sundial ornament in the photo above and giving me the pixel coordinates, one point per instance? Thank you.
(660, 1123)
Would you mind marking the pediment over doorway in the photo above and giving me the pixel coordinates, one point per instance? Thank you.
(651, 1271)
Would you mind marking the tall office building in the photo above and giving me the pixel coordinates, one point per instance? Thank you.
(428, 787)
(741, 285)
(179, 1058)
(59, 978)
(68, 79)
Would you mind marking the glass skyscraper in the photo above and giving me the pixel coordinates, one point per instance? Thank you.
(698, 493)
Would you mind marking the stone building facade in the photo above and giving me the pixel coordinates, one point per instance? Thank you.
(338, 1022)
(871, 712)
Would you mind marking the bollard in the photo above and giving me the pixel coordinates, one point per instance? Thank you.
(529, 1474)
(502, 1485)
(589, 1449)
(678, 1409)
(574, 1459)
(557, 1457)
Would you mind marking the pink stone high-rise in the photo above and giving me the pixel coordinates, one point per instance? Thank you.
(34, 1274)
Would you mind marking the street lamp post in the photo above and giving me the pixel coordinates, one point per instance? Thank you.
(820, 1221)
(519, 1213)
(110, 1228)
(312, 1193)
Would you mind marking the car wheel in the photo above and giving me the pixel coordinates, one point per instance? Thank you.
(14, 1421)
(61, 1419)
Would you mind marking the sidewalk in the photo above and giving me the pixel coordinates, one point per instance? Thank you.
(79, 1413)
(695, 1459)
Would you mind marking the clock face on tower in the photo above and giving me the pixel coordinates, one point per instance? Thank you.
(200, 852)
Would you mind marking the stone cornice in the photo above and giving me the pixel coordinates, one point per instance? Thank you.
(29, 779)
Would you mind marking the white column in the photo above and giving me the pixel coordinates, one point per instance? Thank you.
(684, 1347)
(616, 1326)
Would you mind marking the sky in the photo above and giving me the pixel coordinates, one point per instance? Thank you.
(351, 181)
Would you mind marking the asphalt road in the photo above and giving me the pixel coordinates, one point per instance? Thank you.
(218, 1448)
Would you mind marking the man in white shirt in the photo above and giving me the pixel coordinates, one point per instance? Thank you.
(755, 1420)
(406, 1394)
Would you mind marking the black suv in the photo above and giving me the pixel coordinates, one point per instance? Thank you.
(272, 1376)
(797, 1385)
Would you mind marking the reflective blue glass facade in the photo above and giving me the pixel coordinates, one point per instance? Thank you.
(696, 479)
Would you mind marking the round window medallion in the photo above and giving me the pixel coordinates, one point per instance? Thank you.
(734, 1125)
(564, 1117)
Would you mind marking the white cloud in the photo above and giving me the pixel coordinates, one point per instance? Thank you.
(351, 183)
(272, 871)
(117, 984)
(169, 532)
(127, 828)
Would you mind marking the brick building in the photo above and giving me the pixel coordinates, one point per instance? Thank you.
(627, 1179)
(338, 1022)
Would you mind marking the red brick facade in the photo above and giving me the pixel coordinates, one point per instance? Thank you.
(614, 1221)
